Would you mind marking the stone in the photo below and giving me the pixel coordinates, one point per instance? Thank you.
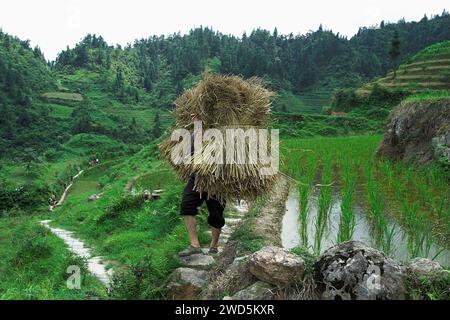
(424, 267)
(93, 198)
(257, 291)
(198, 260)
(354, 271)
(231, 280)
(277, 266)
(186, 283)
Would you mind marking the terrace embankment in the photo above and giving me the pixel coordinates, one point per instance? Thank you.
(418, 132)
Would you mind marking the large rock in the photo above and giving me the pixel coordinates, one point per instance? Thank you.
(424, 267)
(231, 279)
(277, 266)
(352, 270)
(198, 261)
(257, 291)
(186, 283)
(418, 131)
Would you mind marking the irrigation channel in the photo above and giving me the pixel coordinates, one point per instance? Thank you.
(291, 234)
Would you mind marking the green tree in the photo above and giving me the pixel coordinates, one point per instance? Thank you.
(394, 51)
(119, 84)
(157, 131)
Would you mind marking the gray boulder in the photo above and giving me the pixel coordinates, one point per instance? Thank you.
(186, 283)
(257, 291)
(277, 266)
(198, 261)
(424, 267)
(353, 271)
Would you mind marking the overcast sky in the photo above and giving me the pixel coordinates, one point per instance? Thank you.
(55, 24)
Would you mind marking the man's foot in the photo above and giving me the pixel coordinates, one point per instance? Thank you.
(213, 250)
(189, 251)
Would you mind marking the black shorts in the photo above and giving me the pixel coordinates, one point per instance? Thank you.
(192, 200)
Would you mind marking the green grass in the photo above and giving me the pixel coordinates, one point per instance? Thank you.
(438, 49)
(133, 234)
(60, 111)
(426, 75)
(429, 95)
(33, 264)
(63, 96)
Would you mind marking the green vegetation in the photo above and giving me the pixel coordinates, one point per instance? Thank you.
(396, 195)
(99, 101)
(34, 264)
(347, 221)
(429, 95)
(428, 71)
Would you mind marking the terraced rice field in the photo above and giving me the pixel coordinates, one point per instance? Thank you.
(429, 69)
(342, 191)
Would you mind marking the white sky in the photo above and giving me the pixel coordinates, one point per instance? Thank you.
(54, 24)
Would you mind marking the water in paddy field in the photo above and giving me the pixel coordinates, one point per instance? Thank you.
(290, 232)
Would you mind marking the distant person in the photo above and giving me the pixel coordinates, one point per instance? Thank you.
(52, 201)
(147, 195)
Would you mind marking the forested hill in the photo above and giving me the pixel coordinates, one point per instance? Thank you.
(123, 94)
(292, 61)
(24, 74)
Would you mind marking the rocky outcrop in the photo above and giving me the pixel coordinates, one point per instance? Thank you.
(352, 270)
(277, 266)
(418, 131)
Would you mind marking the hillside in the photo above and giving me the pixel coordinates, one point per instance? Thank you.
(427, 70)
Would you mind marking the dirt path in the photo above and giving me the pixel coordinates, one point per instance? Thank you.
(269, 220)
(95, 265)
(64, 195)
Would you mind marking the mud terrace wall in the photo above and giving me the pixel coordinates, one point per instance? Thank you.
(418, 132)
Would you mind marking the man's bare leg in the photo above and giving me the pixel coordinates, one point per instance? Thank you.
(215, 237)
(191, 227)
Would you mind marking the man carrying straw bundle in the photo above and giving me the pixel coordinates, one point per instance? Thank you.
(190, 202)
(234, 113)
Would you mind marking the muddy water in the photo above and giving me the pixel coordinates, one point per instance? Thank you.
(290, 233)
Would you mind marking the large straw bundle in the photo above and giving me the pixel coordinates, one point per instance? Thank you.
(223, 102)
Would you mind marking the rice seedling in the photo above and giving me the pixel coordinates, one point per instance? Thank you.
(324, 204)
(305, 189)
(347, 221)
(399, 198)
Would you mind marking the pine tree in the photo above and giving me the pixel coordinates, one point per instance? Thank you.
(157, 131)
(119, 83)
(394, 52)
